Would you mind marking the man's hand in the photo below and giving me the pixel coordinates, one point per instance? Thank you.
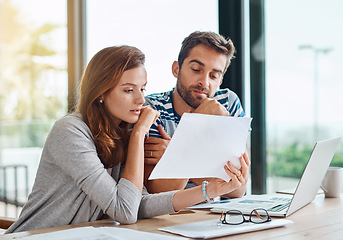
(154, 147)
(212, 107)
(153, 150)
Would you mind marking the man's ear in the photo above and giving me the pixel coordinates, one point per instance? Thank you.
(175, 69)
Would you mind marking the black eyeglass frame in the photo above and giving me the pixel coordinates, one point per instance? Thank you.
(223, 220)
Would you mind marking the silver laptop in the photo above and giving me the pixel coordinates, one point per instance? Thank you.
(283, 205)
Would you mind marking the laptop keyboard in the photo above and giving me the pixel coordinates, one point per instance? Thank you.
(281, 199)
(279, 208)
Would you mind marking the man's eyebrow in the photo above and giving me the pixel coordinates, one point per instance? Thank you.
(202, 64)
(218, 71)
(197, 61)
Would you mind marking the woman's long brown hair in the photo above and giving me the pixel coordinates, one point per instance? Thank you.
(100, 76)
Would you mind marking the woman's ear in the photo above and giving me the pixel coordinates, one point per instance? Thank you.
(101, 99)
(175, 68)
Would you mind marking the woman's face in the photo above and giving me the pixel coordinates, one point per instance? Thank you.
(126, 99)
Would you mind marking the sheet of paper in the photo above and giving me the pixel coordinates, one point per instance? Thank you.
(101, 233)
(206, 205)
(201, 146)
(87, 233)
(213, 228)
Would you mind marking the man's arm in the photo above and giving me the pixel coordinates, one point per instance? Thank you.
(155, 147)
(153, 150)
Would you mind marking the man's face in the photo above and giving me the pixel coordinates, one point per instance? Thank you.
(200, 75)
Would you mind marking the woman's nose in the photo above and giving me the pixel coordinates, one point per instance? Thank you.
(140, 99)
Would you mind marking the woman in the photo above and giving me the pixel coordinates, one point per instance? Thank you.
(92, 164)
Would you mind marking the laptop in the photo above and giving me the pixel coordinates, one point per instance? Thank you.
(283, 205)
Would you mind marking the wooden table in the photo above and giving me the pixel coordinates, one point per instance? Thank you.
(322, 219)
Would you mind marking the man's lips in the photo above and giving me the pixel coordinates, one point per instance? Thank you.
(198, 92)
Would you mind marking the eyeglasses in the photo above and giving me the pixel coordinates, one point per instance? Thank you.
(235, 217)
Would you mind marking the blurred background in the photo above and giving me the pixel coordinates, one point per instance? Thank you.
(288, 73)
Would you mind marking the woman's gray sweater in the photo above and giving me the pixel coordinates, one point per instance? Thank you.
(72, 185)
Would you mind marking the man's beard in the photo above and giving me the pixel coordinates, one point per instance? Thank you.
(186, 94)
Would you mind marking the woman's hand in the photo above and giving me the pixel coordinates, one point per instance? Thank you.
(147, 117)
(239, 178)
(243, 172)
(134, 166)
(216, 186)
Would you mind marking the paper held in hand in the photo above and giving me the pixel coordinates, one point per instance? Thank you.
(202, 145)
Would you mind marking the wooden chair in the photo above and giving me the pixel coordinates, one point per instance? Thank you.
(6, 222)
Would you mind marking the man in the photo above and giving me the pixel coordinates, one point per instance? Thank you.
(202, 62)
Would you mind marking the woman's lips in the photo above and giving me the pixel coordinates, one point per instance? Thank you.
(136, 111)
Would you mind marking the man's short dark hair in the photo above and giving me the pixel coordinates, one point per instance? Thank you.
(209, 39)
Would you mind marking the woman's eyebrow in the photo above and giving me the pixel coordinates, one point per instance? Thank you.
(132, 84)
(128, 84)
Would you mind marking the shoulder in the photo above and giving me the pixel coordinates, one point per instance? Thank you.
(160, 101)
(70, 125)
(68, 140)
(73, 120)
(225, 94)
(230, 101)
(163, 97)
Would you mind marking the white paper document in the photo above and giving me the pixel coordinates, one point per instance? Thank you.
(201, 145)
(206, 205)
(101, 233)
(213, 228)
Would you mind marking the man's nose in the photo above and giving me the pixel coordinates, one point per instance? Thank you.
(204, 80)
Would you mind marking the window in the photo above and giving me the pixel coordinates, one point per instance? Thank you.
(33, 79)
(302, 70)
(156, 27)
(303, 84)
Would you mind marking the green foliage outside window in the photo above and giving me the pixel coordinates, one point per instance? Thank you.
(291, 161)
